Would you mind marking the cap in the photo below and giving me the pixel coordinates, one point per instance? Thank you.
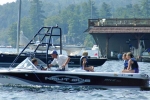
(53, 52)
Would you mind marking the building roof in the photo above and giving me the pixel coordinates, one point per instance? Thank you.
(118, 30)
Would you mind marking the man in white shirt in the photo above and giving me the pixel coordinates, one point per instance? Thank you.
(61, 60)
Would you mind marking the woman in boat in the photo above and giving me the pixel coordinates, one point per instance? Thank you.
(125, 61)
(132, 64)
(84, 62)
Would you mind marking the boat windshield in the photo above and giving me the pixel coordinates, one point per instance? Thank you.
(27, 64)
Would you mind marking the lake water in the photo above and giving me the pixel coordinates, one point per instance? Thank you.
(78, 93)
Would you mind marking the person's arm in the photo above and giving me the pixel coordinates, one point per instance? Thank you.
(129, 65)
(52, 63)
(66, 62)
(84, 63)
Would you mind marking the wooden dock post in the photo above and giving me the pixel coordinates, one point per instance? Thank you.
(108, 36)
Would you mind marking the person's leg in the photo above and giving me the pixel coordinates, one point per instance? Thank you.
(124, 70)
(136, 70)
(128, 71)
(90, 68)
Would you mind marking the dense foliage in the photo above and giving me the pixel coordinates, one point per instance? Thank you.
(71, 15)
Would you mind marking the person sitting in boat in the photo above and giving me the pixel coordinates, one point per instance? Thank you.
(84, 62)
(61, 60)
(125, 61)
(35, 62)
(132, 64)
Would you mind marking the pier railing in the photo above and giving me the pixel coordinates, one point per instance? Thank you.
(118, 22)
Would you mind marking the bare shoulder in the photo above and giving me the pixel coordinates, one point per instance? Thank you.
(130, 61)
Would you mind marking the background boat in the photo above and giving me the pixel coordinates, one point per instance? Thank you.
(38, 48)
(7, 59)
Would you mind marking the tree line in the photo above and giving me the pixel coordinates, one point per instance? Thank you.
(72, 18)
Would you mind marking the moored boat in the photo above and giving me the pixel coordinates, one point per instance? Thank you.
(7, 59)
(47, 44)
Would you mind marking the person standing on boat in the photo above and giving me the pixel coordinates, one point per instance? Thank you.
(133, 66)
(84, 62)
(61, 60)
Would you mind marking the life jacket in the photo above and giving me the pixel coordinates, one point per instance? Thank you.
(125, 64)
(81, 61)
(135, 65)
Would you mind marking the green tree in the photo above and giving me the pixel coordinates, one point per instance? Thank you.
(137, 11)
(12, 32)
(26, 27)
(36, 16)
(145, 8)
(73, 22)
(88, 11)
(105, 11)
(130, 11)
(4, 37)
(89, 41)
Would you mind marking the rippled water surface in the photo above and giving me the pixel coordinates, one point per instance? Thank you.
(78, 93)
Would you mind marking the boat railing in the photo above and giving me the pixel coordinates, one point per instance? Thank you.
(118, 22)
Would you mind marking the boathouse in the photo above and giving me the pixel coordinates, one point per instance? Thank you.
(113, 34)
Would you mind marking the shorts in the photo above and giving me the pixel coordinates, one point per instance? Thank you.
(136, 70)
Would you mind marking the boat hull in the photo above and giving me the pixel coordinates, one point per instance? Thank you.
(7, 59)
(96, 79)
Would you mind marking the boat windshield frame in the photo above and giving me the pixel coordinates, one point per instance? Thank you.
(28, 65)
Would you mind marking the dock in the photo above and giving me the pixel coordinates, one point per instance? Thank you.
(117, 34)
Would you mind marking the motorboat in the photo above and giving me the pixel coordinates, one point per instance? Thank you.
(26, 73)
